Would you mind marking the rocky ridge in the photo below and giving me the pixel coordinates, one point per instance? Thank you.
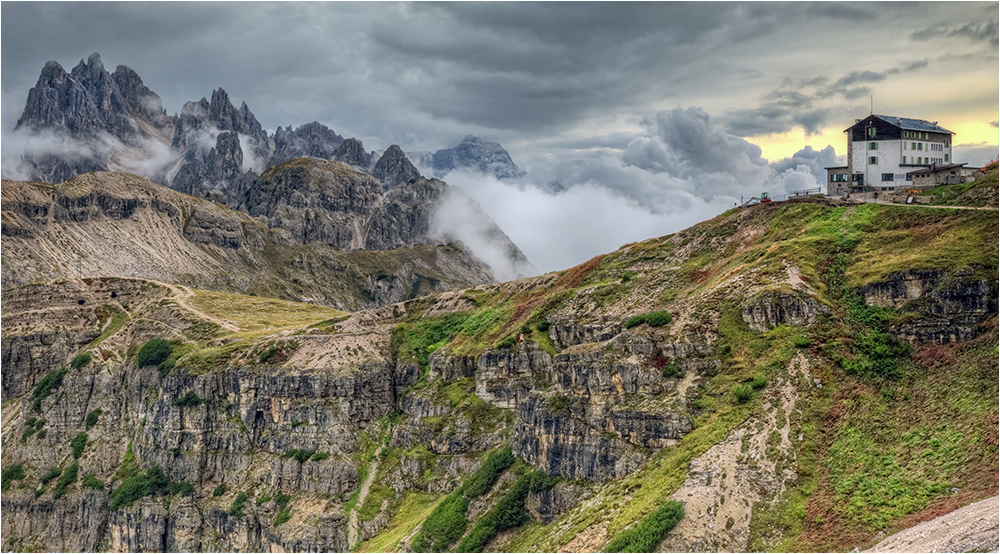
(116, 224)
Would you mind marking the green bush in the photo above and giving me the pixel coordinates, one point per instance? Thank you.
(180, 488)
(543, 326)
(507, 343)
(299, 455)
(268, 354)
(52, 474)
(189, 400)
(78, 443)
(507, 514)
(220, 490)
(559, 404)
(263, 499)
(11, 473)
(645, 536)
(758, 383)
(743, 393)
(671, 371)
(282, 517)
(80, 360)
(67, 479)
(654, 319)
(154, 352)
(445, 525)
(46, 386)
(236, 508)
(319, 456)
(92, 482)
(139, 485)
(32, 426)
(93, 417)
(282, 500)
(877, 354)
(486, 476)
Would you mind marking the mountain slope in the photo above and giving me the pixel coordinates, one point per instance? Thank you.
(799, 375)
(116, 224)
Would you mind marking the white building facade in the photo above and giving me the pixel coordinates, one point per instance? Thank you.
(882, 151)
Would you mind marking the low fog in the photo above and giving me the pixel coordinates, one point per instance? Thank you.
(684, 170)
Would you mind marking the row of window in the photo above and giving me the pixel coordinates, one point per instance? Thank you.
(842, 177)
(892, 177)
(934, 146)
(873, 160)
(915, 135)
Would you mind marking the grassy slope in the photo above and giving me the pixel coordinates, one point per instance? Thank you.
(876, 452)
(836, 249)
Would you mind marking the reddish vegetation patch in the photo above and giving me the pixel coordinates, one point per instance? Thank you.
(935, 355)
(575, 275)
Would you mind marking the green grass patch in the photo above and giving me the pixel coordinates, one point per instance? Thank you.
(11, 473)
(236, 508)
(78, 443)
(653, 319)
(80, 360)
(414, 509)
(46, 386)
(154, 352)
(646, 535)
(68, 478)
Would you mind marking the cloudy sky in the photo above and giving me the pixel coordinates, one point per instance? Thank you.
(632, 119)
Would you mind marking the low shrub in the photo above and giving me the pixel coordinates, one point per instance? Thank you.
(543, 326)
(648, 534)
(154, 352)
(139, 485)
(11, 473)
(743, 393)
(758, 383)
(78, 443)
(189, 400)
(67, 479)
(80, 360)
(507, 514)
(486, 476)
(52, 474)
(507, 343)
(220, 490)
(180, 488)
(319, 456)
(445, 525)
(268, 354)
(92, 482)
(654, 319)
(32, 426)
(263, 499)
(282, 500)
(671, 371)
(236, 508)
(46, 386)
(299, 455)
(282, 517)
(93, 417)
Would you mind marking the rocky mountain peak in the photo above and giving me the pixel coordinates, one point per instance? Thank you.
(479, 155)
(394, 168)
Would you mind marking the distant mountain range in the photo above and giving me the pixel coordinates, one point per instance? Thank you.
(91, 120)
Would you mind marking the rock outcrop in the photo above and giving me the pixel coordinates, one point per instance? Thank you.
(393, 168)
(118, 224)
(472, 154)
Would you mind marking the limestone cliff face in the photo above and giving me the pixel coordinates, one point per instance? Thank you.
(329, 427)
(122, 225)
(951, 304)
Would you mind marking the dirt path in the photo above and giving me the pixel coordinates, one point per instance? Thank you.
(970, 529)
(352, 520)
(181, 296)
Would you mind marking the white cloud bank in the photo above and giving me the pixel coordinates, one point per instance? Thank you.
(686, 169)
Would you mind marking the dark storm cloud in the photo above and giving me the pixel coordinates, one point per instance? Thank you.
(797, 104)
(980, 31)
